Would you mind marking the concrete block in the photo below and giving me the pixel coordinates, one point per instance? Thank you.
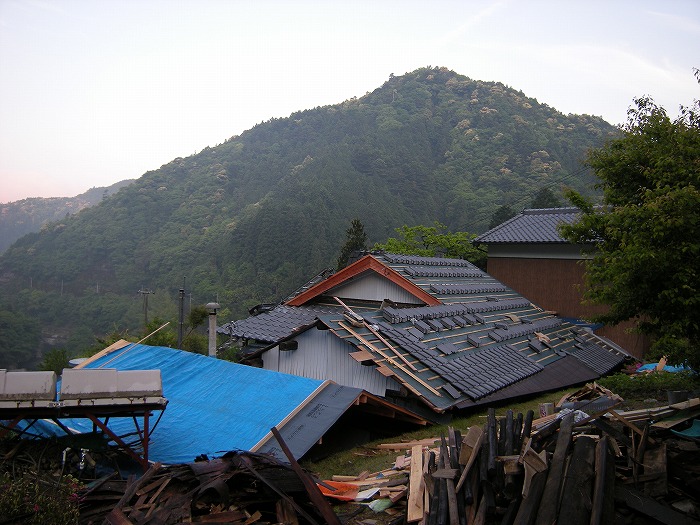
(27, 386)
(139, 383)
(85, 383)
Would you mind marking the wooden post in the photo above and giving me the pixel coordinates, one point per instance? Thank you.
(549, 505)
(603, 511)
(415, 496)
(577, 494)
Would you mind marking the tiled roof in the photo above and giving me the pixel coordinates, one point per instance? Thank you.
(477, 341)
(531, 226)
(275, 324)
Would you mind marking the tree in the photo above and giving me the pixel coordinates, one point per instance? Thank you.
(646, 237)
(356, 240)
(432, 241)
(545, 198)
(501, 215)
(55, 360)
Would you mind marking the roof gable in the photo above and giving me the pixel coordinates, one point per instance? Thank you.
(367, 264)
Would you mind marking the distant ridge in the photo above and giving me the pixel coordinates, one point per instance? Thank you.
(18, 218)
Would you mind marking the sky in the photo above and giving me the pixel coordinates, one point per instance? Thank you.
(97, 91)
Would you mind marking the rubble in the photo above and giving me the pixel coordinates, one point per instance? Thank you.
(590, 468)
(587, 462)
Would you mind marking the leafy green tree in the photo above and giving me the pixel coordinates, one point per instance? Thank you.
(501, 215)
(356, 240)
(646, 237)
(19, 339)
(432, 241)
(545, 198)
(55, 360)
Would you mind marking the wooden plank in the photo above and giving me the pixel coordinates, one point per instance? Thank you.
(388, 358)
(549, 506)
(446, 473)
(362, 356)
(677, 418)
(408, 445)
(414, 511)
(603, 509)
(312, 489)
(385, 371)
(626, 422)
(528, 507)
(473, 440)
(655, 464)
(647, 506)
(577, 493)
(452, 505)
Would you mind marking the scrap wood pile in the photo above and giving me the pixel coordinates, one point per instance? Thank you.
(239, 488)
(602, 466)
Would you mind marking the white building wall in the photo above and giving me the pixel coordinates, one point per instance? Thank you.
(322, 355)
(372, 287)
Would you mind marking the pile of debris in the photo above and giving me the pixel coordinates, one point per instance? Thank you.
(589, 467)
(585, 461)
(240, 487)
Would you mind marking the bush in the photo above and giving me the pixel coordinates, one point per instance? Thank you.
(37, 501)
(654, 384)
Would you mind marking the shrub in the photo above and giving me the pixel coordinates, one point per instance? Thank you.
(654, 384)
(37, 501)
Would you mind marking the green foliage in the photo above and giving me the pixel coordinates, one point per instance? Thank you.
(165, 336)
(651, 385)
(501, 215)
(36, 501)
(355, 241)
(545, 198)
(55, 360)
(19, 339)
(432, 241)
(646, 237)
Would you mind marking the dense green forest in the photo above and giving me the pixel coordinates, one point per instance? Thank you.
(251, 219)
(25, 216)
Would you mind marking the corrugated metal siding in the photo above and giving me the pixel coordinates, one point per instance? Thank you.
(322, 355)
(372, 287)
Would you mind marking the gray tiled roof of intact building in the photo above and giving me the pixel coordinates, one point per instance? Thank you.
(276, 324)
(531, 226)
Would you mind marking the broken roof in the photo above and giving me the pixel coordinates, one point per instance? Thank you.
(216, 406)
(475, 342)
(531, 226)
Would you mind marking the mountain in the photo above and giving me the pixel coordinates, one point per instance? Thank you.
(29, 215)
(251, 219)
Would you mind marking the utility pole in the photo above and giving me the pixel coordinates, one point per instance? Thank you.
(181, 306)
(145, 292)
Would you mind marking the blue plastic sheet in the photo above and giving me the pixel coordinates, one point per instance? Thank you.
(214, 406)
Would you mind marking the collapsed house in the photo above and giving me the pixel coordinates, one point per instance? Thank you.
(431, 334)
(209, 406)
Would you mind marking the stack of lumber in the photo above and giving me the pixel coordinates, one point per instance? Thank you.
(598, 468)
(582, 468)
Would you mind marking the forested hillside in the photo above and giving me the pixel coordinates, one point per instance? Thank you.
(251, 219)
(29, 215)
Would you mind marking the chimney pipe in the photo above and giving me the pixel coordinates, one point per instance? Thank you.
(212, 307)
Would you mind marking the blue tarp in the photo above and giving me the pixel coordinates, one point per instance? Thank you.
(667, 368)
(213, 406)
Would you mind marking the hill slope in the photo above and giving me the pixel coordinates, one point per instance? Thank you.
(249, 220)
(25, 216)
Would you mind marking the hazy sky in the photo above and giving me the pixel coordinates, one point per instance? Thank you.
(97, 91)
